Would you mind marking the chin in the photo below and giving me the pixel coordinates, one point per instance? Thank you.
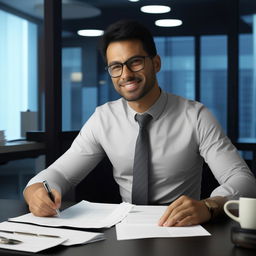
(135, 97)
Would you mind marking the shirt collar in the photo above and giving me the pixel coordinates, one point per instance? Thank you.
(155, 110)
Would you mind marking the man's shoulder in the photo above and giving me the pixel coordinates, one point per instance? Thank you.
(182, 103)
(111, 106)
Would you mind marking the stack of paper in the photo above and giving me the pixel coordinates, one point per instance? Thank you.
(142, 222)
(72, 237)
(82, 215)
(30, 243)
(132, 222)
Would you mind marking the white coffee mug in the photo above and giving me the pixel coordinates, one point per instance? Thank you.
(247, 212)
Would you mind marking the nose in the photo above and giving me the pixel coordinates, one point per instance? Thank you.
(126, 72)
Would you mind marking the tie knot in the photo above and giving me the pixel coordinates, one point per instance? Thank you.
(143, 119)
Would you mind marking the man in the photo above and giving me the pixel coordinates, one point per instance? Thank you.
(181, 134)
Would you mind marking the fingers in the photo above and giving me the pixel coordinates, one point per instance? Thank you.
(39, 202)
(170, 211)
(187, 221)
(184, 212)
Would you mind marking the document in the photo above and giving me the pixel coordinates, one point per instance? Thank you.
(30, 243)
(82, 215)
(72, 237)
(142, 222)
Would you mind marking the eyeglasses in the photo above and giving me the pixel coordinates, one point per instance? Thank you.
(134, 64)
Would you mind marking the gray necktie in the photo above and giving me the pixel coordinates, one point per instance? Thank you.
(141, 162)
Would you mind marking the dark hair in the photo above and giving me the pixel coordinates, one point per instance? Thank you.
(125, 30)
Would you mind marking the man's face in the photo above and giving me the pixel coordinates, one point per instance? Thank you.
(133, 86)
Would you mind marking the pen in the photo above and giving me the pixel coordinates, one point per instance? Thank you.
(5, 240)
(50, 194)
(28, 233)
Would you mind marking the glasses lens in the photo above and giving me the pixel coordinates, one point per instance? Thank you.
(115, 70)
(136, 64)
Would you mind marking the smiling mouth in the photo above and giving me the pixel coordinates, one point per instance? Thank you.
(131, 84)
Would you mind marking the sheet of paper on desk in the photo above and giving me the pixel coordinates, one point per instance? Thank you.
(142, 221)
(31, 243)
(72, 237)
(82, 215)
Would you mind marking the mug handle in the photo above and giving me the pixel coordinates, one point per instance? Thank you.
(232, 216)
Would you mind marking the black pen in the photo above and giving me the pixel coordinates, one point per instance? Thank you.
(50, 194)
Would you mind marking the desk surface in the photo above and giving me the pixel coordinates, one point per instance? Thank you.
(218, 244)
(20, 149)
(22, 145)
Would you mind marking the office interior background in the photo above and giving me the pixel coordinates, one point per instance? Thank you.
(51, 78)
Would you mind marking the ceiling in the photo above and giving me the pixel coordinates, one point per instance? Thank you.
(198, 16)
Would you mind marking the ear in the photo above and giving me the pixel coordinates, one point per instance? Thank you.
(157, 63)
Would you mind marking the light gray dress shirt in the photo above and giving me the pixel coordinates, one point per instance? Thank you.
(182, 134)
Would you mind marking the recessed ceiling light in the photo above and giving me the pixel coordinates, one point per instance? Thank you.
(134, 0)
(90, 32)
(155, 8)
(168, 23)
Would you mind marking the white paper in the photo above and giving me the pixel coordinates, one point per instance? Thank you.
(142, 222)
(72, 237)
(30, 243)
(82, 215)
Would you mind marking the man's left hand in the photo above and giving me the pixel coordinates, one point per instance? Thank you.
(185, 211)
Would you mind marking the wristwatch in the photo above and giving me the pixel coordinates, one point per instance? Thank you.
(212, 207)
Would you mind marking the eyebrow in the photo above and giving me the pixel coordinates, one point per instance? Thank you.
(119, 62)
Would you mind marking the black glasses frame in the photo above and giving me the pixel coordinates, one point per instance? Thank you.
(128, 64)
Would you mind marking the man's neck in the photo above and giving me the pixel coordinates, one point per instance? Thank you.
(147, 101)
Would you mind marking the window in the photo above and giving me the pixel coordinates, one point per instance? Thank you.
(85, 84)
(213, 88)
(177, 74)
(71, 88)
(247, 87)
(18, 72)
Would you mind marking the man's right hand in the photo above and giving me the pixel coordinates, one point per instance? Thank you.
(39, 202)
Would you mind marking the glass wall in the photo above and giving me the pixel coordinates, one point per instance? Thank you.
(213, 87)
(85, 85)
(18, 96)
(177, 73)
(71, 88)
(247, 83)
(18, 74)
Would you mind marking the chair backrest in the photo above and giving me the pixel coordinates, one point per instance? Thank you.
(208, 183)
(99, 185)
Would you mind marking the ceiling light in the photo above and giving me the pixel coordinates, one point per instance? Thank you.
(168, 23)
(90, 32)
(155, 8)
(134, 0)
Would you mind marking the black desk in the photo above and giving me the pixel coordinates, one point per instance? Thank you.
(218, 244)
(20, 149)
